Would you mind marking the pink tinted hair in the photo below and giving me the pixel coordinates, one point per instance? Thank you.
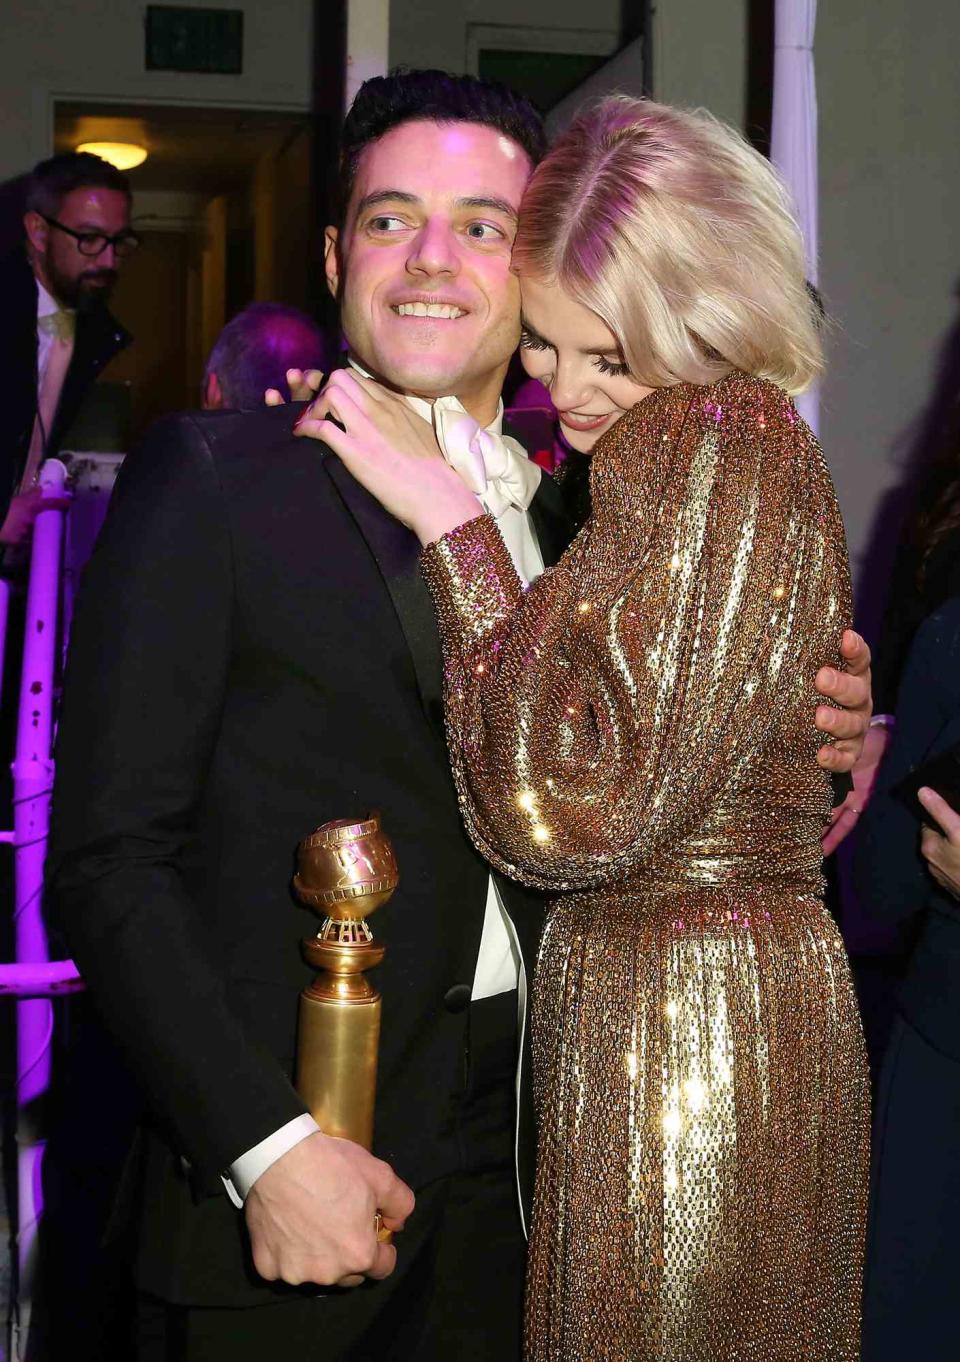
(669, 226)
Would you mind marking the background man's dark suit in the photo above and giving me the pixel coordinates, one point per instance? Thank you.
(910, 1306)
(98, 338)
(254, 653)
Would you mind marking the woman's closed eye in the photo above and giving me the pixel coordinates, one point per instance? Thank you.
(529, 340)
(614, 368)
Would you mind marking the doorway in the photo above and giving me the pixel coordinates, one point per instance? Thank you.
(221, 205)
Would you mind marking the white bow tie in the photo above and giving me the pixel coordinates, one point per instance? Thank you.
(495, 467)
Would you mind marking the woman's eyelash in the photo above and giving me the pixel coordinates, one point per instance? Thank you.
(606, 366)
(530, 341)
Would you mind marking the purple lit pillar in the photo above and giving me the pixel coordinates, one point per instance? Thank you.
(32, 784)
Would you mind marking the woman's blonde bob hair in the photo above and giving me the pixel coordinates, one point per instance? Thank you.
(668, 225)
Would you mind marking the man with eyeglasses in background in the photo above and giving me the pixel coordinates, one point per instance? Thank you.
(56, 334)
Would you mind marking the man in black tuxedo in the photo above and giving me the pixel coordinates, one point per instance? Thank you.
(56, 334)
(255, 653)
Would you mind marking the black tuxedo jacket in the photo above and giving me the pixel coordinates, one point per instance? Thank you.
(254, 652)
(98, 338)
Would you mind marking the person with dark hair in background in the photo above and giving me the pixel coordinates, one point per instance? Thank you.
(269, 650)
(57, 334)
(254, 353)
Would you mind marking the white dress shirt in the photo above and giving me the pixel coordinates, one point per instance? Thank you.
(499, 965)
(47, 305)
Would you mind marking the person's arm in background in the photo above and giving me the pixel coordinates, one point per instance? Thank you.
(940, 846)
(24, 507)
(145, 685)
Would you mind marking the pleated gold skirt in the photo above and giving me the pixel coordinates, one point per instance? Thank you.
(703, 1105)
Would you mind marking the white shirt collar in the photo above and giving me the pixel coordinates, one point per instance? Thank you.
(423, 407)
(47, 305)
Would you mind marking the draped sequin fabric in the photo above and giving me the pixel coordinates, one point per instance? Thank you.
(635, 733)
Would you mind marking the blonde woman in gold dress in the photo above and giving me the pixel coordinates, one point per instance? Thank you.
(635, 735)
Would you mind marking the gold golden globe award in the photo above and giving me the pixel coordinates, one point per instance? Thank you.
(346, 871)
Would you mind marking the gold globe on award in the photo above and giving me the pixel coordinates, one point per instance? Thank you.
(346, 871)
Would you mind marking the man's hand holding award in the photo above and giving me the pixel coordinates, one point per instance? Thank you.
(318, 1213)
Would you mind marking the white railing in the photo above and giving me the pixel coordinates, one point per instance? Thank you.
(34, 979)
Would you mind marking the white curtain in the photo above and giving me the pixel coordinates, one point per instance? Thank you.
(793, 143)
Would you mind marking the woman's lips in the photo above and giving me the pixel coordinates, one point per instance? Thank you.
(574, 422)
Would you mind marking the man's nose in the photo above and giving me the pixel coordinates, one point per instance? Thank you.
(434, 250)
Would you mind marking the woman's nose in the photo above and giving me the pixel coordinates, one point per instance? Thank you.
(570, 388)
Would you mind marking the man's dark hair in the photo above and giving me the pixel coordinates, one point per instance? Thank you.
(51, 180)
(256, 348)
(433, 96)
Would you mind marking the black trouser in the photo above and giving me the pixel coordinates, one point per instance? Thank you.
(456, 1294)
(912, 1299)
(82, 1305)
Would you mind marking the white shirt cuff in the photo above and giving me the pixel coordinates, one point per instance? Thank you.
(244, 1171)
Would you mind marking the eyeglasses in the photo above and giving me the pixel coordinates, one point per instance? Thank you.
(95, 243)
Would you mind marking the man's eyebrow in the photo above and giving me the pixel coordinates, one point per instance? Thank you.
(483, 201)
(385, 196)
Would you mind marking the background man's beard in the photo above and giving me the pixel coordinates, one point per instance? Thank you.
(84, 290)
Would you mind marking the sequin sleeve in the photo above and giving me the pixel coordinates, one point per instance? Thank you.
(594, 719)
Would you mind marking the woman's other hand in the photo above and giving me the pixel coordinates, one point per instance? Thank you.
(304, 384)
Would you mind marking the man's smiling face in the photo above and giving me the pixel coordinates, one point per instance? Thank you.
(422, 267)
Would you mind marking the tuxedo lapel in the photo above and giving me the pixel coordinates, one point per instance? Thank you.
(551, 523)
(397, 554)
(548, 515)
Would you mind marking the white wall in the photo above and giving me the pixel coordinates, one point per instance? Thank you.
(700, 55)
(434, 32)
(52, 49)
(889, 103)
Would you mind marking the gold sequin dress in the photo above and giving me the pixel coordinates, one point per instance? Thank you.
(635, 733)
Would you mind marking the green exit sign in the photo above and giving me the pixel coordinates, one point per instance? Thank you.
(180, 38)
